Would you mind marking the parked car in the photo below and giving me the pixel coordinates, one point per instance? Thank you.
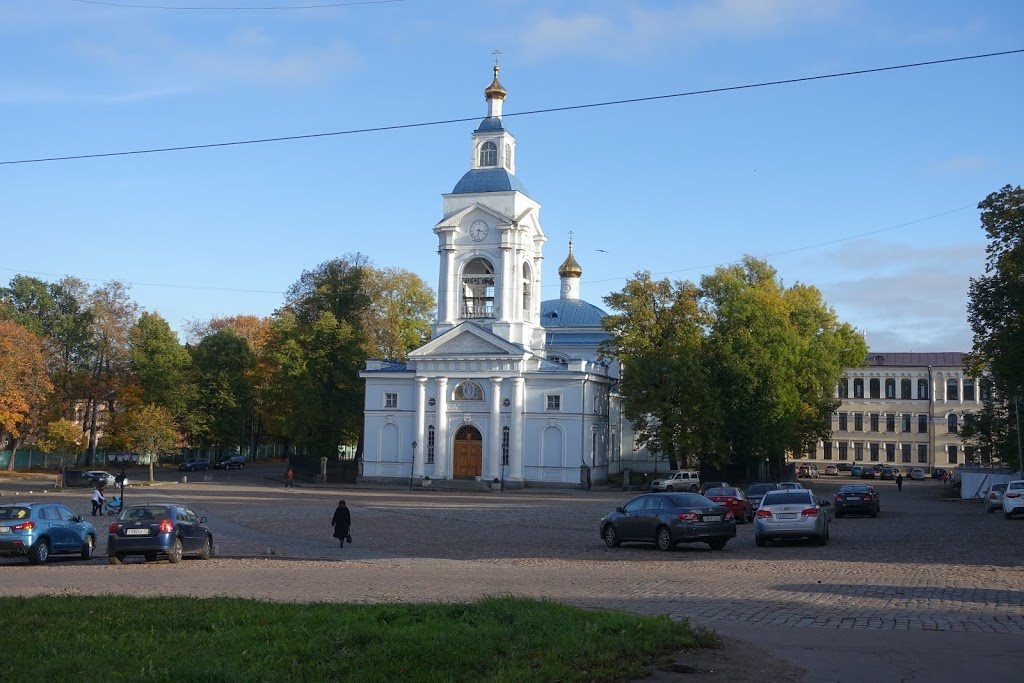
(106, 478)
(787, 485)
(158, 529)
(856, 470)
(1013, 498)
(667, 519)
(867, 473)
(807, 471)
(79, 478)
(888, 473)
(733, 498)
(791, 514)
(857, 498)
(708, 485)
(234, 462)
(193, 464)
(755, 492)
(680, 480)
(38, 530)
(831, 470)
(845, 466)
(916, 473)
(994, 497)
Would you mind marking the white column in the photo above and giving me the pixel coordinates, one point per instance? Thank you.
(516, 441)
(494, 440)
(441, 445)
(421, 442)
(507, 283)
(449, 287)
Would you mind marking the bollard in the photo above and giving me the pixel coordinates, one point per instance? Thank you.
(183, 479)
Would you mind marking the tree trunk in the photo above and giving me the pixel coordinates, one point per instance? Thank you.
(92, 433)
(152, 457)
(14, 452)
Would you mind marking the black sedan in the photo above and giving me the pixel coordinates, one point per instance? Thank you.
(667, 519)
(857, 498)
(155, 530)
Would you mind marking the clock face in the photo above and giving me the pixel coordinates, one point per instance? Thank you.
(478, 230)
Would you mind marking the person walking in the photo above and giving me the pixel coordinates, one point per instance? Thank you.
(899, 481)
(289, 478)
(97, 500)
(342, 521)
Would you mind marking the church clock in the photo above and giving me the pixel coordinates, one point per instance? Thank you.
(478, 230)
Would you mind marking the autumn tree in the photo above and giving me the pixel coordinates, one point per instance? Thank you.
(62, 437)
(152, 431)
(400, 312)
(24, 383)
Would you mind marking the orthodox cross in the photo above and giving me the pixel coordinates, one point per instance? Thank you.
(496, 53)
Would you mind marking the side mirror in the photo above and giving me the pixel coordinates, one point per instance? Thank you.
(78, 518)
(202, 520)
(620, 509)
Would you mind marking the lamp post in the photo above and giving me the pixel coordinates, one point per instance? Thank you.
(412, 466)
(1016, 406)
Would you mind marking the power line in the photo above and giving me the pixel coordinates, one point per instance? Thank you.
(550, 110)
(245, 8)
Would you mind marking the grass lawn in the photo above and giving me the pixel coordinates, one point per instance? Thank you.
(113, 638)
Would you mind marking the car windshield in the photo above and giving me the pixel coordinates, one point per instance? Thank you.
(1015, 486)
(143, 513)
(998, 487)
(720, 492)
(690, 500)
(854, 488)
(761, 489)
(786, 498)
(14, 512)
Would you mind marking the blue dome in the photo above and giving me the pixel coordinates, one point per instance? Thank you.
(490, 123)
(570, 313)
(489, 180)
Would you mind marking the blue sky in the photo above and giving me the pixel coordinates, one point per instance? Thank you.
(865, 186)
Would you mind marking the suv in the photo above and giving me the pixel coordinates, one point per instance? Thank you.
(193, 464)
(38, 530)
(680, 480)
(235, 461)
(807, 471)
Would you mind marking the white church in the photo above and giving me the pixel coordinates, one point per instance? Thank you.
(509, 387)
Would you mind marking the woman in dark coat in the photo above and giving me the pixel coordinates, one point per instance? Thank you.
(342, 521)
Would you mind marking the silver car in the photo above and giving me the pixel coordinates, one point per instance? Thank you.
(794, 513)
(994, 497)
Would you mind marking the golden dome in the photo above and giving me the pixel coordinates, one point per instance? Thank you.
(495, 90)
(569, 267)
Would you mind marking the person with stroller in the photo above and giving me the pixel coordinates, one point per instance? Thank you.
(97, 499)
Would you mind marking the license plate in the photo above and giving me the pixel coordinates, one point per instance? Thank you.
(136, 532)
(5, 529)
(787, 515)
(712, 518)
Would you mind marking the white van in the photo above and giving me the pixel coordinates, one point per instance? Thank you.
(680, 480)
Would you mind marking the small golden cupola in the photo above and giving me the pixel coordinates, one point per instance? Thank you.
(570, 272)
(495, 91)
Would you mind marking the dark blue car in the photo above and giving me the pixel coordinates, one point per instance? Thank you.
(38, 530)
(667, 519)
(157, 530)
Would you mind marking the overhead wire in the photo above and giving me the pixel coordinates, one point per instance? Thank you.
(256, 8)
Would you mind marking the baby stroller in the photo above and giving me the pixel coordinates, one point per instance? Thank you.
(113, 506)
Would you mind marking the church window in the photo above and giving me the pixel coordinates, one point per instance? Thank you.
(506, 402)
(554, 402)
(968, 389)
(430, 445)
(488, 154)
(874, 387)
(508, 157)
(390, 400)
(526, 288)
(890, 388)
(469, 391)
(504, 446)
(952, 423)
(431, 401)
(478, 289)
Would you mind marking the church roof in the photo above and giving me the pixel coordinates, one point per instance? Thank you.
(490, 123)
(935, 358)
(570, 313)
(489, 180)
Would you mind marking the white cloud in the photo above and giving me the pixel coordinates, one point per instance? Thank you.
(961, 164)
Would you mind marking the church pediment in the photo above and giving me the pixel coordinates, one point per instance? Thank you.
(467, 340)
(455, 219)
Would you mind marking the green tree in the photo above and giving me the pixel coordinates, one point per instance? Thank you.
(995, 311)
(400, 313)
(62, 437)
(164, 370)
(152, 431)
(223, 364)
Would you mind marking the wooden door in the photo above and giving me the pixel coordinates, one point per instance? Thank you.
(467, 459)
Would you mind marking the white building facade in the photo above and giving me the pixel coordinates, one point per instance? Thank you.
(509, 387)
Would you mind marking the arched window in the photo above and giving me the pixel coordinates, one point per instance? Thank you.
(526, 288)
(468, 391)
(890, 388)
(906, 389)
(922, 388)
(952, 390)
(858, 388)
(844, 388)
(952, 423)
(504, 446)
(478, 289)
(875, 388)
(430, 445)
(488, 154)
(508, 157)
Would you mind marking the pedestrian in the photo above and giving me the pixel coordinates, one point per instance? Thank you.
(97, 500)
(899, 481)
(342, 521)
(289, 478)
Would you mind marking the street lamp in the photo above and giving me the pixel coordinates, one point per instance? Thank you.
(412, 466)
(1016, 405)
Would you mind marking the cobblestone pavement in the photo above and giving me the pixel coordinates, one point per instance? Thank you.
(924, 564)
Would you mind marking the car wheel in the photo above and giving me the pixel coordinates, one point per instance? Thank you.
(174, 554)
(88, 547)
(761, 541)
(204, 552)
(115, 559)
(40, 552)
(670, 488)
(611, 539)
(718, 543)
(663, 538)
(694, 488)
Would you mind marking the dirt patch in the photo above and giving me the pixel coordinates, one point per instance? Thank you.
(735, 660)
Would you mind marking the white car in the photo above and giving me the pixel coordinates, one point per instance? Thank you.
(107, 478)
(916, 473)
(680, 480)
(1013, 499)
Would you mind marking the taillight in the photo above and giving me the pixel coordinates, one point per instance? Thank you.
(688, 516)
(24, 526)
(728, 515)
(1013, 495)
(166, 525)
(113, 527)
(764, 513)
(809, 512)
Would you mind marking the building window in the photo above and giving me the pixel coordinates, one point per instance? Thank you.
(952, 390)
(951, 453)
(874, 422)
(890, 452)
(468, 391)
(826, 450)
(922, 424)
(952, 423)
(431, 401)
(922, 454)
(478, 289)
(430, 445)
(873, 448)
(968, 389)
(488, 154)
(844, 388)
(890, 388)
(527, 301)
(858, 388)
(922, 388)
(875, 387)
(843, 446)
(390, 400)
(890, 422)
(554, 402)
(508, 157)
(858, 450)
(905, 422)
(504, 445)
(970, 455)
(905, 452)
(906, 388)
(858, 422)
(842, 422)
